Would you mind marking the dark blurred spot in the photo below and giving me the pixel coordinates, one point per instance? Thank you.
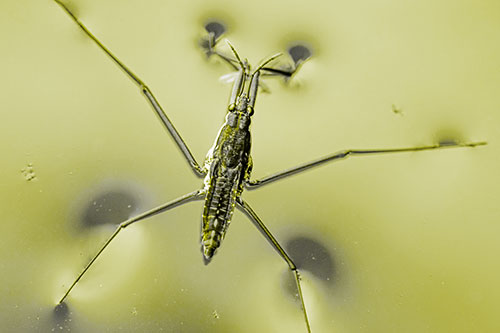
(61, 319)
(216, 28)
(310, 255)
(299, 53)
(111, 207)
(61, 311)
(448, 136)
(447, 142)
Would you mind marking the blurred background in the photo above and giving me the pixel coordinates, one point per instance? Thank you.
(401, 243)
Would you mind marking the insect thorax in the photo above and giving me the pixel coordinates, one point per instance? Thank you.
(229, 166)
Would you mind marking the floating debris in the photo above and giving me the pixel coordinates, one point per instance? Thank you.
(29, 172)
(215, 314)
(397, 110)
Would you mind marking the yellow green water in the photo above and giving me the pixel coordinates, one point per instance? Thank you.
(413, 237)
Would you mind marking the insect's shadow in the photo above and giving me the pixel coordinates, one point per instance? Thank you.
(312, 256)
(109, 207)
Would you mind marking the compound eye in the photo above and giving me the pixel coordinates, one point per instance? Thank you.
(250, 110)
(231, 107)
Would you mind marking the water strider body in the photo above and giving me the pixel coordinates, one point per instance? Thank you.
(228, 165)
(228, 169)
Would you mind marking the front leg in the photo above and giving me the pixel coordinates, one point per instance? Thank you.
(298, 53)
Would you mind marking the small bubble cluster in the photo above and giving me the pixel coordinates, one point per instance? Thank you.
(29, 172)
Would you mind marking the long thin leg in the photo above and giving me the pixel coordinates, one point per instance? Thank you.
(286, 73)
(271, 71)
(253, 184)
(196, 195)
(147, 93)
(210, 50)
(245, 208)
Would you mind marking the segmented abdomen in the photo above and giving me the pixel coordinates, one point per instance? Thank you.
(218, 211)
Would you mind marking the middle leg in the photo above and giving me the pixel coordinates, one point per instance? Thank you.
(162, 116)
(346, 153)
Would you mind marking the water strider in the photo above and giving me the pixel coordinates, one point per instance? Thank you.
(228, 164)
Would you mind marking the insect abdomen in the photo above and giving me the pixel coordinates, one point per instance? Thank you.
(218, 211)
